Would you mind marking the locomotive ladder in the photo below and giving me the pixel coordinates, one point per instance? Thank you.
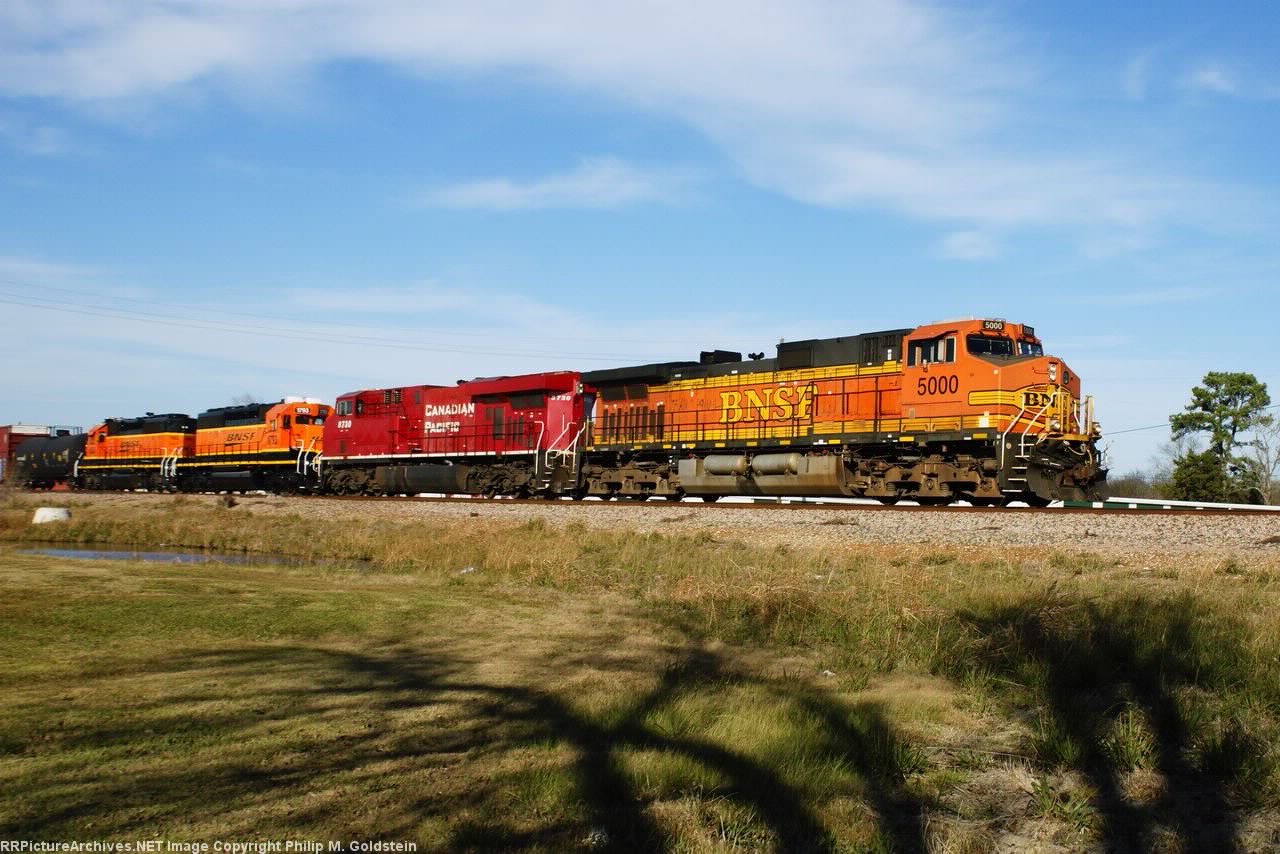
(547, 462)
(1017, 472)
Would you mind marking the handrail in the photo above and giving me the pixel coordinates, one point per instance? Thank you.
(567, 427)
(1022, 443)
(1008, 430)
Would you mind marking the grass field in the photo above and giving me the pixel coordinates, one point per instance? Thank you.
(490, 686)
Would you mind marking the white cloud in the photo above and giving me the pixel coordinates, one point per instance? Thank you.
(33, 137)
(1157, 297)
(34, 269)
(968, 246)
(905, 104)
(1213, 79)
(597, 183)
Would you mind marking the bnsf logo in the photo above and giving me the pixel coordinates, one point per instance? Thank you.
(1038, 399)
(783, 402)
(233, 438)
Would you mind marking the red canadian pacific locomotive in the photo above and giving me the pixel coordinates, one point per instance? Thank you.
(967, 410)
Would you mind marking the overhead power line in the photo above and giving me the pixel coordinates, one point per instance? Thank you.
(1165, 425)
(7, 297)
(150, 303)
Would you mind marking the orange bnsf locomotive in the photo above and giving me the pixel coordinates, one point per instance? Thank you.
(269, 446)
(967, 410)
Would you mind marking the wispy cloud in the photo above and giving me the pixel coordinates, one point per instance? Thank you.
(968, 246)
(36, 138)
(596, 183)
(1156, 297)
(1212, 78)
(1137, 75)
(30, 271)
(909, 105)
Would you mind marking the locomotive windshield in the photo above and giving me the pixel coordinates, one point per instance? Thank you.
(989, 345)
(1030, 348)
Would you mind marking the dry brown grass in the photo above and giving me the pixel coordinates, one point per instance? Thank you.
(631, 689)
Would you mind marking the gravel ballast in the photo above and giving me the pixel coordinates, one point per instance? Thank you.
(1131, 533)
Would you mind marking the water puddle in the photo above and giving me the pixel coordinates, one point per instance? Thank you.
(189, 557)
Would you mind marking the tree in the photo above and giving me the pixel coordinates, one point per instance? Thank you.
(1228, 405)
(1266, 456)
(1199, 477)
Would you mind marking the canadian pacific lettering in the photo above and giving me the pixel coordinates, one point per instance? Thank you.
(451, 409)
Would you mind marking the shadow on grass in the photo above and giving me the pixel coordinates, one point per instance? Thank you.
(406, 720)
(1135, 682)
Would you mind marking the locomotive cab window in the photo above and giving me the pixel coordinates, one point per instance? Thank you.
(1030, 348)
(989, 345)
(285, 422)
(932, 351)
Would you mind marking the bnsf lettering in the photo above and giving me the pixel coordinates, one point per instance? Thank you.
(767, 404)
(130, 445)
(1037, 399)
(237, 438)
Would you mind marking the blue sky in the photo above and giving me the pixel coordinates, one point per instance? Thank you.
(203, 200)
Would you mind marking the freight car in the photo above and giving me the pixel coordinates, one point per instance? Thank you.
(961, 410)
(45, 462)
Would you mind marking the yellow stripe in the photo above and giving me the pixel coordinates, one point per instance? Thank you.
(800, 375)
(234, 453)
(233, 462)
(993, 398)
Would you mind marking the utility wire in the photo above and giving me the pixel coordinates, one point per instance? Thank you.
(8, 298)
(150, 303)
(1164, 425)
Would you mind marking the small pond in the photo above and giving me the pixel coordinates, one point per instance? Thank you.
(178, 556)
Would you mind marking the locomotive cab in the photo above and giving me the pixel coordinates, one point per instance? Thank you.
(990, 380)
(271, 446)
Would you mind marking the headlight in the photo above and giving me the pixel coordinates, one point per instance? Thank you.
(1055, 425)
(1053, 372)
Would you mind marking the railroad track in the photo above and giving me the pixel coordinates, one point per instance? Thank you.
(1134, 506)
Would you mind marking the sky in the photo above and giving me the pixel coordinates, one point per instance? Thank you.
(208, 200)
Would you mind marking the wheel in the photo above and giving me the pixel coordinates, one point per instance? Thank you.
(934, 502)
(1034, 500)
(888, 502)
(711, 499)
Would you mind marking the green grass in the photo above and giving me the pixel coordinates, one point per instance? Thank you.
(612, 689)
